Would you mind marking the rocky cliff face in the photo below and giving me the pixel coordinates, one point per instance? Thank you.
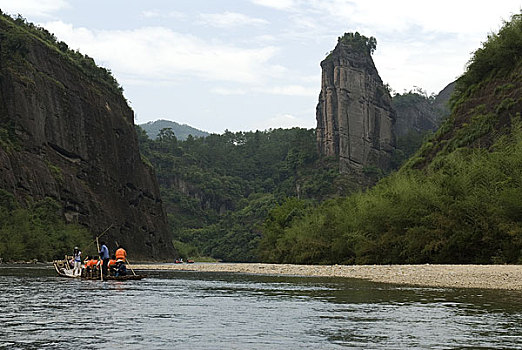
(441, 102)
(354, 115)
(417, 113)
(69, 136)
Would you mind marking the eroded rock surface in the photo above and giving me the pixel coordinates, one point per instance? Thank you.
(355, 118)
(71, 137)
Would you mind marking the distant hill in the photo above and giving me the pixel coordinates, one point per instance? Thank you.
(182, 131)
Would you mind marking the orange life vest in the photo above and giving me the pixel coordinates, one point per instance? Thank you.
(91, 263)
(121, 254)
(111, 262)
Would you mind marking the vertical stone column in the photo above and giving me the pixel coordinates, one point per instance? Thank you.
(354, 115)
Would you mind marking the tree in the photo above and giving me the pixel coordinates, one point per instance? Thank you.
(359, 41)
(167, 139)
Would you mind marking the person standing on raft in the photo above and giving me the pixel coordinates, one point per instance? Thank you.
(104, 256)
(77, 258)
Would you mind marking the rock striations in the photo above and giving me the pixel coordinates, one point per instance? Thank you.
(70, 136)
(355, 118)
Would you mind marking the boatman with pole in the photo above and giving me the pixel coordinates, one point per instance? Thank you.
(104, 256)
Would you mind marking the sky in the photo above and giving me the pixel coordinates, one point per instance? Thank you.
(244, 65)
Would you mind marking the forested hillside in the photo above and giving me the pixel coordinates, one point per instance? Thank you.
(457, 200)
(218, 190)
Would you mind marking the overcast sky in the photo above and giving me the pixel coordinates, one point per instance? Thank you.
(254, 64)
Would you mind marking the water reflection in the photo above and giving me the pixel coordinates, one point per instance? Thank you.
(172, 310)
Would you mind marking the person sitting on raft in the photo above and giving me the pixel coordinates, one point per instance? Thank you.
(91, 265)
(121, 269)
(112, 265)
(121, 254)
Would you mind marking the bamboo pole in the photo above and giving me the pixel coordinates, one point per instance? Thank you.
(101, 267)
(128, 263)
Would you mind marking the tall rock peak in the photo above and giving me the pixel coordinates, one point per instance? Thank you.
(355, 117)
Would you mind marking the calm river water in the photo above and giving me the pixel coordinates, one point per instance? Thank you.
(186, 310)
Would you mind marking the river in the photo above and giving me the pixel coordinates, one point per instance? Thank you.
(189, 310)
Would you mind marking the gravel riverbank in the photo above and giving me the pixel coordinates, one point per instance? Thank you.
(458, 276)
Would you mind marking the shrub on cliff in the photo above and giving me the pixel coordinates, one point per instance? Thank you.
(359, 41)
(15, 41)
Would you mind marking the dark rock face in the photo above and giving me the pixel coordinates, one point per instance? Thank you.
(74, 141)
(354, 115)
(418, 113)
(441, 103)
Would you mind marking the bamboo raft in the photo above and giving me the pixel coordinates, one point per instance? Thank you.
(64, 269)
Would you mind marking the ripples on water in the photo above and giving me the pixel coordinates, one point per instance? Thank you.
(185, 310)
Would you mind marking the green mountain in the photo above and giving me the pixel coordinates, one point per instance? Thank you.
(457, 200)
(181, 131)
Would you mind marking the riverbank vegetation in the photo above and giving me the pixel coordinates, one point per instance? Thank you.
(37, 231)
(466, 210)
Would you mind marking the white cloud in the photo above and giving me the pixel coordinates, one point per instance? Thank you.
(284, 90)
(272, 51)
(419, 42)
(290, 90)
(311, 79)
(442, 16)
(276, 4)
(230, 19)
(265, 38)
(228, 92)
(306, 22)
(36, 8)
(158, 53)
(161, 14)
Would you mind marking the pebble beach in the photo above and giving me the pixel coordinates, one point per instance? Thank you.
(508, 277)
